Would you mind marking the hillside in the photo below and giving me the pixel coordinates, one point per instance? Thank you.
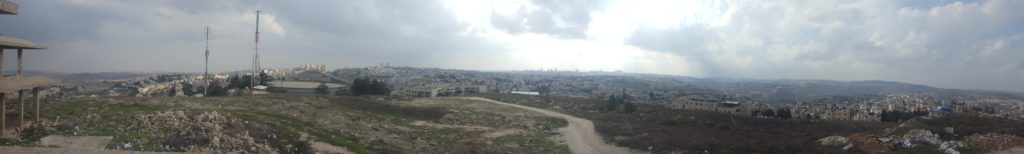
(300, 124)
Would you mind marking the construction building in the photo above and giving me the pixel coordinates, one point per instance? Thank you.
(442, 90)
(18, 84)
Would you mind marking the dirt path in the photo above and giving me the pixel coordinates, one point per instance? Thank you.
(580, 134)
(1018, 149)
(70, 144)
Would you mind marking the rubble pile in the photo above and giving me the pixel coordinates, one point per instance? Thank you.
(872, 144)
(867, 143)
(921, 136)
(203, 132)
(993, 141)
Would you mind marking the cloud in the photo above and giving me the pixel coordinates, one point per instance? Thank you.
(957, 44)
(954, 44)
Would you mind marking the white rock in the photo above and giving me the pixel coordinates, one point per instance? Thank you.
(833, 141)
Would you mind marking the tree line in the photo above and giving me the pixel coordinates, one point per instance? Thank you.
(218, 88)
(360, 86)
(618, 103)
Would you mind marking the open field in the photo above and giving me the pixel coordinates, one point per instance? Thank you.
(579, 135)
(660, 130)
(303, 124)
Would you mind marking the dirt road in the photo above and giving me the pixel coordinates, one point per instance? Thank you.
(579, 135)
(71, 144)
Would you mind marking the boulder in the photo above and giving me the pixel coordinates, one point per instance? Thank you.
(834, 141)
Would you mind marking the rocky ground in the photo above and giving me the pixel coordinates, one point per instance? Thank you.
(656, 129)
(300, 124)
(914, 137)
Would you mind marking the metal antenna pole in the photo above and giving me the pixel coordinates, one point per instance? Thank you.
(256, 57)
(206, 71)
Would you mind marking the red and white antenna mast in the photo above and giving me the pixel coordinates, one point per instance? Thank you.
(256, 57)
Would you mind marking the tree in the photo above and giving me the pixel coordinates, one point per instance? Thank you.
(322, 88)
(613, 103)
(629, 107)
(188, 88)
(785, 113)
(359, 86)
(265, 79)
(769, 113)
(365, 86)
(235, 82)
(217, 90)
(172, 91)
(342, 91)
(246, 82)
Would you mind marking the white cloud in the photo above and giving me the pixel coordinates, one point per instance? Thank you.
(970, 44)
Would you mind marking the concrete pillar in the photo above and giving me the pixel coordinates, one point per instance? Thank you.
(35, 93)
(1, 63)
(19, 63)
(3, 114)
(21, 113)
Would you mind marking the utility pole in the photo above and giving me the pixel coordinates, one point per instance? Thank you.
(206, 71)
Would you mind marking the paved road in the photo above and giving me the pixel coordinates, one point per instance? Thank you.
(580, 134)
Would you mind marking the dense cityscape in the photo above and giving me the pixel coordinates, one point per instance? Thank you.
(670, 91)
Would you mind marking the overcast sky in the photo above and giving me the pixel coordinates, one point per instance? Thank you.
(950, 44)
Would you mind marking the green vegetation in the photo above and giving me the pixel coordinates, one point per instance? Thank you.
(613, 104)
(290, 128)
(898, 116)
(358, 124)
(265, 79)
(217, 89)
(366, 86)
(322, 89)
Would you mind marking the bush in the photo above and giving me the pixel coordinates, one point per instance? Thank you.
(322, 88)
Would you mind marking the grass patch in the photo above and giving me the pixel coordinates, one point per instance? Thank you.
(385, 108)
(291, 128)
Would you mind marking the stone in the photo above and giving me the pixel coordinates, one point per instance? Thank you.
(922, 136)
(834, 141)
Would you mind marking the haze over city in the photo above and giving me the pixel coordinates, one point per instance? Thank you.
(949, 44)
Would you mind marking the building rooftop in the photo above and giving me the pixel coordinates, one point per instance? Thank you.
(16, 43)
(8, 7)
(12, 84)
(302, 84)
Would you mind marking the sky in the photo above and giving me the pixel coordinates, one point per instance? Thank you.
(976, 44)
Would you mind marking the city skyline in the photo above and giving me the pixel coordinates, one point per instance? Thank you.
(958, 44)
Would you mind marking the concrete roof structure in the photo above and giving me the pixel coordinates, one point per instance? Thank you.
(13, 84)
(18, 83)
(7, 7)
(16, 43)
(302, 84)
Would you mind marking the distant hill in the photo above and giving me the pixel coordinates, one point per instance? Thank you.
(80, 76)
(785, 91)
